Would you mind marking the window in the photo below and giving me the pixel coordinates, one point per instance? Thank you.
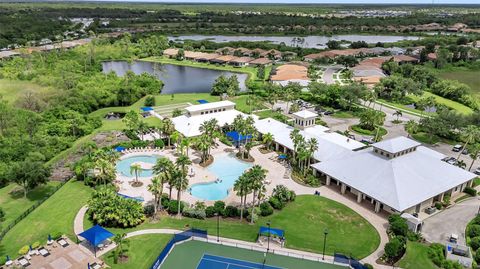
(376, 150)
(388, 155)
(201, 113)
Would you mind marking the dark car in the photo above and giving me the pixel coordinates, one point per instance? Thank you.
(328, 113)
(477, 172)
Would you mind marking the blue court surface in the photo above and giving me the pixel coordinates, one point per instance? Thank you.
(218, 262)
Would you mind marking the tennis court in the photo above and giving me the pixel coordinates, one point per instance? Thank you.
(202, 255)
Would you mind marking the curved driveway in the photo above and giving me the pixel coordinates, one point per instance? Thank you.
(438, 228)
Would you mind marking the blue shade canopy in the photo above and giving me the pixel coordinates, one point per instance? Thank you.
(236, 137)
(146, 108)
(96, 235)
(282, 156)
(120, 149)
(273, 231)
(202, 101)
(139, 199)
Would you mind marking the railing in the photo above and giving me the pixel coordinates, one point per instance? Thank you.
(29, 210)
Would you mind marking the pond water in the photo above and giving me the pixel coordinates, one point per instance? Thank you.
(312, 41)
(176, 78)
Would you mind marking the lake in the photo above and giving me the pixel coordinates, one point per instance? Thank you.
(312, 41)
(176, 78)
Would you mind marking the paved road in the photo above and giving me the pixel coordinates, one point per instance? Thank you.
(328, 74)
(439, 227)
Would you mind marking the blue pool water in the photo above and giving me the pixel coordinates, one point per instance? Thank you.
(227, 168)
(123, 166)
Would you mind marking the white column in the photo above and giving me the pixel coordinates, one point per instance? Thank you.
(377, 206)
(344, 187)
(359, 197)
(328, 180)
(314, 171)
(470, 183)
(276, 146)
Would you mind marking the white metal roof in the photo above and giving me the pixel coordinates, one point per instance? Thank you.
(207, 106)
(305, 114)
(189, 126)
(330, 144)
(396, 144)
(401, 182)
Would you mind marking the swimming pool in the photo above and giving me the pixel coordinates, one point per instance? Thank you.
(227, 168)
(123, 166)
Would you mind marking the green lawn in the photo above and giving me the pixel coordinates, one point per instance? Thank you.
(143, 250)
(241, 104)
(55, 215)
(188, 255)
(14, 204)
(416, 257)
(10, 90)
(469, 77)
(357, 129)
(348, 231)
(447, 102)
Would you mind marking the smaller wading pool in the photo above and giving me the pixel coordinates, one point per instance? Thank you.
(123, 166)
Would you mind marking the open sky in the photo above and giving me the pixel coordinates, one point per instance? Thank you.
(313, 1)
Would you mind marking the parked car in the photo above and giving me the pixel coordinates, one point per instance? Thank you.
(450, 160)
(457, 148)
(465, 152)
(453, 238)
(351, 136)
(477, 171)
(367, 141)
(328, 113)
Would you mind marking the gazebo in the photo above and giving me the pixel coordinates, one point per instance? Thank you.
(277, 235)
(95, 236)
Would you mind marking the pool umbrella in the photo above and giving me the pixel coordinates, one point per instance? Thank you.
(49, 237)
(30, 247)
(88, 264)
(8, 258)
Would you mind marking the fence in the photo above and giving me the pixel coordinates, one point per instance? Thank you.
(263, 249)
(344, 259)
(174, 241)
(29, 210)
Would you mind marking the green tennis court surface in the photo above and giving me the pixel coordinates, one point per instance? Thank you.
(198, 254)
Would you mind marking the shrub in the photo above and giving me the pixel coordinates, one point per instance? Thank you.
(266, 209)
(399, 227)
(219, 207)
(394, 248)
(173, 207)
(194, 213)
(438, 205)
(149, 210)
(476, 220)
(159, 143)
(470, 191)
(446, 200)
(277, 204)
(477, 257)
(36, 244)
(2, 215)
(231, 211)
(210, 211)
(150, 101)
(475, 243)
(474, 230)
(436, 254)
(414, 237)
(200, 205)
(254, 215)
(368, 266)
(24, 250)
(165, 200)
(283, 194)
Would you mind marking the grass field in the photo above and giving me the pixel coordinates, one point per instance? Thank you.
(416, 257)
(14, 204)
(55, 215)
(447, 102)
(348, 231)
(10, 90)
(469, 77)
(188, 254)
(143, 250)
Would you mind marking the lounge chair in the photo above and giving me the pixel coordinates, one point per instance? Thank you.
(23, 262)
(62, 242)
(43, 251)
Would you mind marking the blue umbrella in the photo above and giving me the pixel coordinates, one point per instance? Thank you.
(30, 247)
(8, 258)
(88, 264)
(49, 237)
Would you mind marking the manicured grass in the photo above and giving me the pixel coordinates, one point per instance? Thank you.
(241, 104)
(425, 138)
(10, 90)
(54, 216)
(14, 204)
(447, 102)
(142, 251)
(416, 257)
(272, 114)
(187, 255)
(303, 221)
(360, 130)
(469, 77)
(344, 115)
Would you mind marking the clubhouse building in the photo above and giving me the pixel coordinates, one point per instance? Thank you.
(396, 175)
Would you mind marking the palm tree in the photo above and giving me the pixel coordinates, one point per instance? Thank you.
(182, 162)
(267, 139)
(257, 178)
(156, 188)
(241, 187)
(471, 134)
(411, 127)
(105, 170)
(295, 136)
(121, 241)
(461, 164)
(180, 182)
(312, 146)
(135, 168)
(167, 128)
(474, 152)
(186, 142)
(398, 114)
(163, 167)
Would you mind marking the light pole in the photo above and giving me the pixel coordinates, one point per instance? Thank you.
(325, 233)
(218, 226)
(268, 240)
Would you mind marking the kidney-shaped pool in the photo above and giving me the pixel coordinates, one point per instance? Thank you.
(146, 162)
